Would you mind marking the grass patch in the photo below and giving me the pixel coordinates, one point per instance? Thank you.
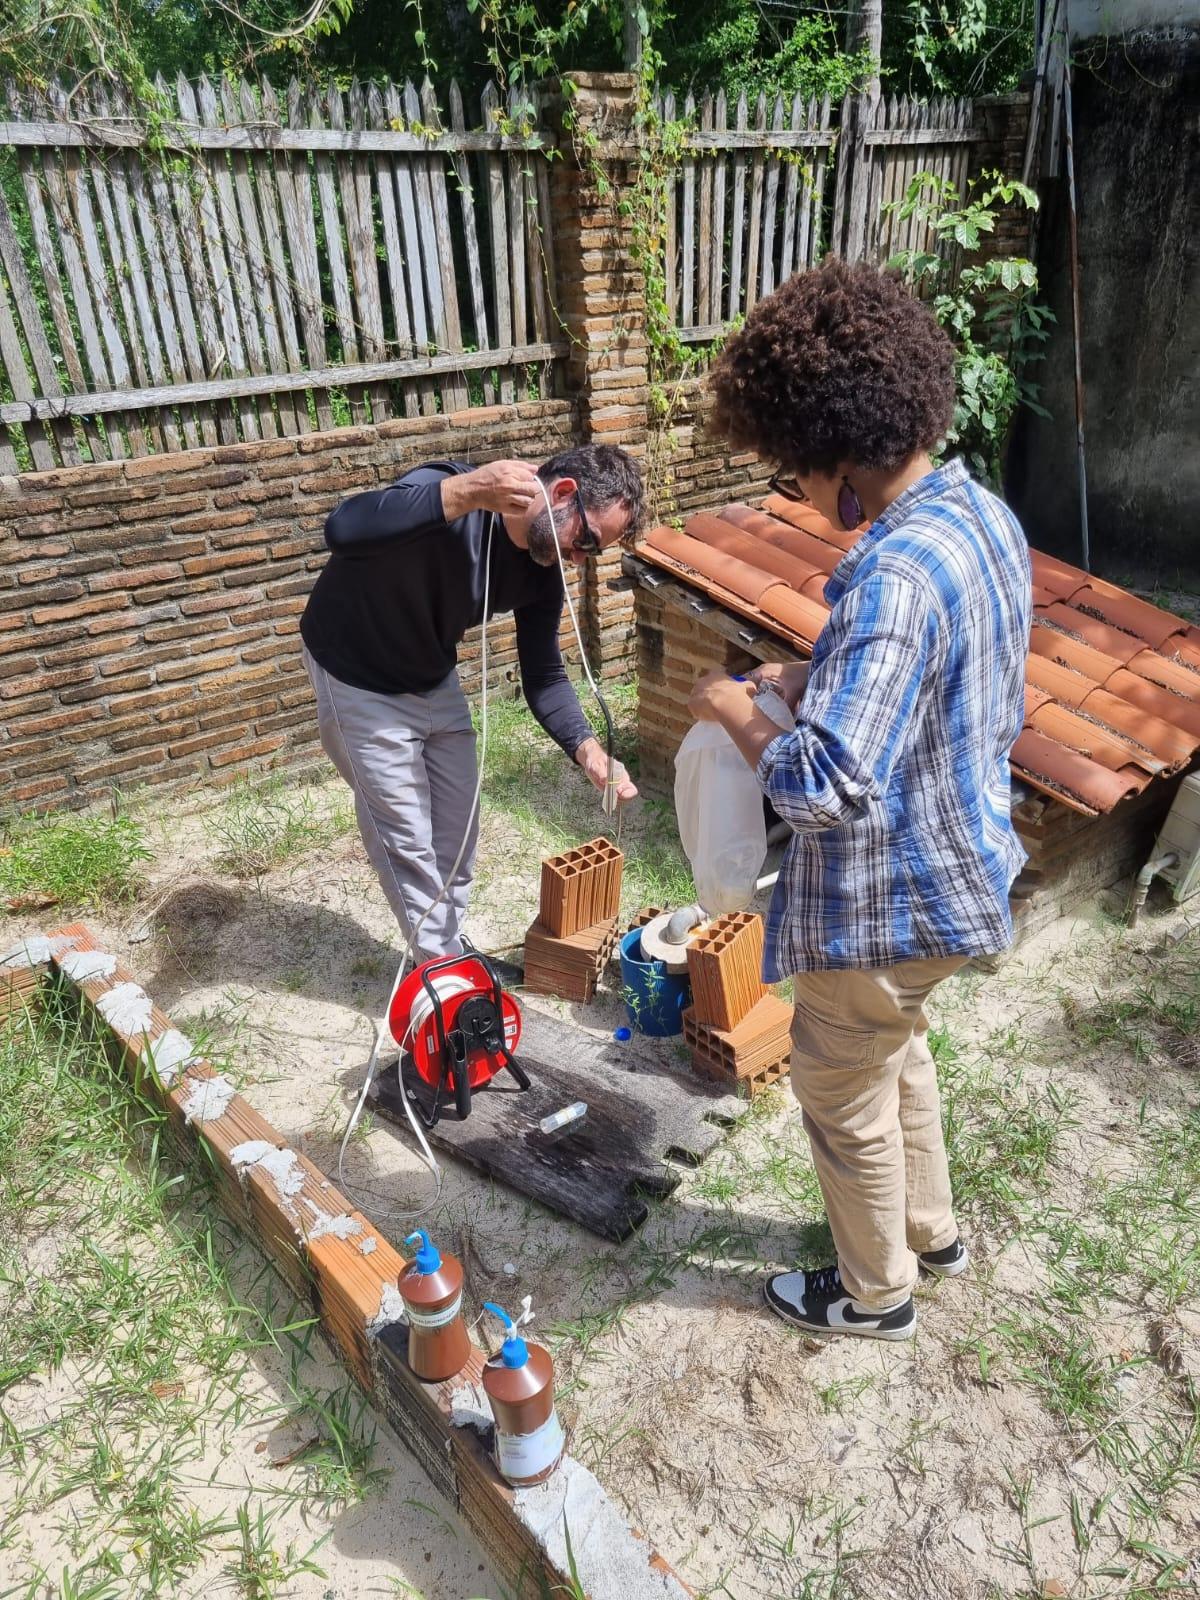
(72, 860)
(133, 1324)
(262, 826)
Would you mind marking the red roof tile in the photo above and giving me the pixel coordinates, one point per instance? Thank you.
(1112, 682)
(806, 546)
(810, 520)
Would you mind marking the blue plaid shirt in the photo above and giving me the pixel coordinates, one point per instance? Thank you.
(896, 778)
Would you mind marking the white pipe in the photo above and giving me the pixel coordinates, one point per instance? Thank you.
(1145, 878)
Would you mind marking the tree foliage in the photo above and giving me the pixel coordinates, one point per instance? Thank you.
(929, 46)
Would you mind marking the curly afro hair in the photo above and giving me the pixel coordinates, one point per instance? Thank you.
(839, 364)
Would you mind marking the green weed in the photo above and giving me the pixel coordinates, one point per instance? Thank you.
(261, 826)
(74, 861)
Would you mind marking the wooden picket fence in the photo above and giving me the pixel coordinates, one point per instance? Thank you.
(763, 193)
(244, 269)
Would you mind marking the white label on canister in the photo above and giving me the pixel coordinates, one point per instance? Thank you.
(433, 1319)
(524, 1455)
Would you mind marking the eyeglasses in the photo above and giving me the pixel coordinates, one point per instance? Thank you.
(586, 541)
(789, 488)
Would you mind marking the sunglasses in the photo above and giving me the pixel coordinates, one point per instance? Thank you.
(586, 540)
(789, 488)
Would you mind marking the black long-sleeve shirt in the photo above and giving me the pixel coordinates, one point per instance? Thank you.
(402, 586)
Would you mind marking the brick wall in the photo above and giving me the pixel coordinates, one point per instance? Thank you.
(149, 609)
(1005, 121)
(673, 650)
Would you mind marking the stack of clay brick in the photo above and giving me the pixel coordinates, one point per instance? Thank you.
(573, 937)
(736, 1029)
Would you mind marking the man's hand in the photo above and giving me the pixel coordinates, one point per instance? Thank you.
(788, 678)
(716, 691)
(593, 758)
(510, 488)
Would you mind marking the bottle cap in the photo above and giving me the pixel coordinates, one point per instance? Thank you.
(513, 1352)
(427, 1258)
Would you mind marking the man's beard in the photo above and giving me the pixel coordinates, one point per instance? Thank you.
(543, 546)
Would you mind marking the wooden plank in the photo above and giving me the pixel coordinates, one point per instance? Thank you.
(545, 225)
(816, 242)
(84, 274)
(35, 334)
(738, 221)
(438, 367)
(294, 180)
(497, 215)
(753, 259)
(790, 188)
(450, 336)
(466, 193)
(516, 233)
(209, 271)
(354, 177)
(875, 137)
(428, 245)
(145, 353)
(243, 308)
(336, 257)
(804, 201)
(705, 311)
(393, 253)
(764, 139)
(50, 133)
(12, 358)
(407, 200)
(718, 252)
(665, 106)
(257, 259)
(770, 206)
(94, 311)
(640, 1111)
(283, 306)
(56, 297)
(135, 199)
(688, 263)
(842, 171)
(177, 225)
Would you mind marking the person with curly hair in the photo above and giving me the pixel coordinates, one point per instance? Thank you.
(895, 779)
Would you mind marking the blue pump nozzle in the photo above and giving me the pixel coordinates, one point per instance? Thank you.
(513, 1352)
(427, 1258)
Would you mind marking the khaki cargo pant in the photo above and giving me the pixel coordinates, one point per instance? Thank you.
(864, 1075)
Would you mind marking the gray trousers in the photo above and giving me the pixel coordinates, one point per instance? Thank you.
(410, 760)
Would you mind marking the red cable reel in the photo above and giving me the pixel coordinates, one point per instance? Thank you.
(459, 1027)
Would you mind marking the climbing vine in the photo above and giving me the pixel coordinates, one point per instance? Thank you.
(989, 308)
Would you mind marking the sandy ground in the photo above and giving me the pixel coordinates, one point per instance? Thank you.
(760, 1464)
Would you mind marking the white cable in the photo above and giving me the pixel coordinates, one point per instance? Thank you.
(410, 951)
(587, 671)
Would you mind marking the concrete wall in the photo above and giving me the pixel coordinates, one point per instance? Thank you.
(1136, 144)
(1095, 19)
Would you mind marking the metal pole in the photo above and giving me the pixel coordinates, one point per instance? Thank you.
(1076, 319)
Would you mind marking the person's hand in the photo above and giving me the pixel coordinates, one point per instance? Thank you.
(509, 488)
(593, 758)
(789, 679)
(712, 691)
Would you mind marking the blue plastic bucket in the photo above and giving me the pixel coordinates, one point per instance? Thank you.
(654, 998)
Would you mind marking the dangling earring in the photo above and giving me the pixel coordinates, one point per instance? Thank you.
(849, 507)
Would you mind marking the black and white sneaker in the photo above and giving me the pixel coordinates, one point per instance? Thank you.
(820, 1304)
(948, 1262)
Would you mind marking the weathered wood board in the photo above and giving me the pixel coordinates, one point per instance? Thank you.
(644, 1108)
